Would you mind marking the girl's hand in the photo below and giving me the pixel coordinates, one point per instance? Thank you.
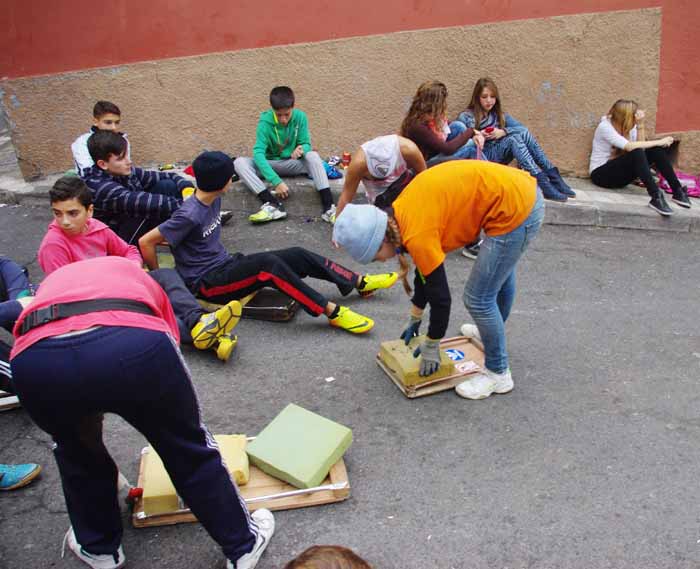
(639, 115)
(666, 141)
(495, 134)
(479, 140)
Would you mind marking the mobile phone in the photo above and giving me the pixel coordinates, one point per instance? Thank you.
(489, 129)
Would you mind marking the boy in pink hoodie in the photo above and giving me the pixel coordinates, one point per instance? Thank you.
(74, 235)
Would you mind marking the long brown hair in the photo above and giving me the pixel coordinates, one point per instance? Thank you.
(475, 104)
(393, 236)
(622, 116)
(429, 102)
(328, 557)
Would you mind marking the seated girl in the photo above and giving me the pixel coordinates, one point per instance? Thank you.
(426, 125)
(507, 139)
(621, 154)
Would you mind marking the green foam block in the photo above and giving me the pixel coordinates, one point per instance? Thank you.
(299, 447)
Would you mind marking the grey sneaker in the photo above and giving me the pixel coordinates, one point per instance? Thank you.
(94, 560)
(470, 331)
(265, 522)
(268, 212)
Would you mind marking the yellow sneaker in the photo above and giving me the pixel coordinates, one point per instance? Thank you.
(351, 321)
(227, 343)
(214, 325)
(375, 282)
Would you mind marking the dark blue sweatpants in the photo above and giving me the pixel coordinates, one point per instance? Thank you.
(66, 384)
(13, 281)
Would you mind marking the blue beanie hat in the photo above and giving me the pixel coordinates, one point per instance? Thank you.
(360, 230)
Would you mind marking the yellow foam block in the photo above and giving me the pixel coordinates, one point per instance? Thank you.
(159, 496)
(399, 358)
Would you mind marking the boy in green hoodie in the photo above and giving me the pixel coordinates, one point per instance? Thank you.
(283, 148)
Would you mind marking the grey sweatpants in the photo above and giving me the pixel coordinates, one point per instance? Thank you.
(310, 163)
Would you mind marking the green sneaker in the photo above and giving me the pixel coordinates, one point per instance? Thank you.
(268, 212)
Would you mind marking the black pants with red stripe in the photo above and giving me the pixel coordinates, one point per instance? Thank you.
(283, 270)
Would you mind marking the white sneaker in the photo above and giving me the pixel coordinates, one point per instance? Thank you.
(94, 560)
(484, 384)
(329, 215)
(470, 331)
(266, 527)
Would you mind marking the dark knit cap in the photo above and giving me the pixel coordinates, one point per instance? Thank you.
(212, 170)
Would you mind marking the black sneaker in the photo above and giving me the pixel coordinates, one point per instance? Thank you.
(660, 206)
(472, 251)
(680, 196)
(226, 215)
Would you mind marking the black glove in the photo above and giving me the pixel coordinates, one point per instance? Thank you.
(411, 330)
(429, 351)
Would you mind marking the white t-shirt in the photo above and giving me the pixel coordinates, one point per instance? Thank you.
(384, 163)
(604, 140)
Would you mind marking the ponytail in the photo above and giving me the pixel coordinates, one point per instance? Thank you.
(393, 235)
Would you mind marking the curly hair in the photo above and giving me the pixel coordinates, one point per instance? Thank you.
(429, 103)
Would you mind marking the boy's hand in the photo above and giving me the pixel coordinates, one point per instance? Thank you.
(297, 153)
(282, 190)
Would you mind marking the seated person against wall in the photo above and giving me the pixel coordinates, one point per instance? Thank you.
(283, 148)
(193, 233)
(74, 235)
(379, 164)
(130, 200)
(507, 139)
(105, 116)
(621, 154)
(426, 125)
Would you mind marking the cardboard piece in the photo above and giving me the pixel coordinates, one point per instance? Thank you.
(159, 495)
(466, 355)
(299, 446)
(399, 357)
(262, 491)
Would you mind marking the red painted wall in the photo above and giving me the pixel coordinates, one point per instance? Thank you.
(48, 37)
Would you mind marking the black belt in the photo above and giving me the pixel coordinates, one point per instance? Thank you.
(48, 314)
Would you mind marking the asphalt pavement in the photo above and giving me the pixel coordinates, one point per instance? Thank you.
(590, 463)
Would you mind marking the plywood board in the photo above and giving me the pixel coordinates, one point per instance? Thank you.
(468, 359)
(260, 486)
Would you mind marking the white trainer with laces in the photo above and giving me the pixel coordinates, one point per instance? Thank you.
(266, 527)
(94, 560)
(484, 384)
(329, 215)
(470, 331)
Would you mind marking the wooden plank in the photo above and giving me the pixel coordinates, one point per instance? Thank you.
(473, 352)
(260, 484)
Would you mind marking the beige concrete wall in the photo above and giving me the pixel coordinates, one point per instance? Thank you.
(557, 75)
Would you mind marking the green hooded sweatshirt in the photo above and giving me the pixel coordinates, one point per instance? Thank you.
(276, 142)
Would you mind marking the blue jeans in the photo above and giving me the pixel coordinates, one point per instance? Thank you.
(521, 146)
(467, 150)
(490, 289)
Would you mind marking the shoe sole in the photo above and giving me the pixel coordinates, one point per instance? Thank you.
(468, 255)
(26, 480)
(681, 203)
(261, 221)
(223, 327)
(226, 347)
(661, 212)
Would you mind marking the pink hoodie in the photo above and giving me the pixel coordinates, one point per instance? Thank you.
(59, 248)
(106, 277)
